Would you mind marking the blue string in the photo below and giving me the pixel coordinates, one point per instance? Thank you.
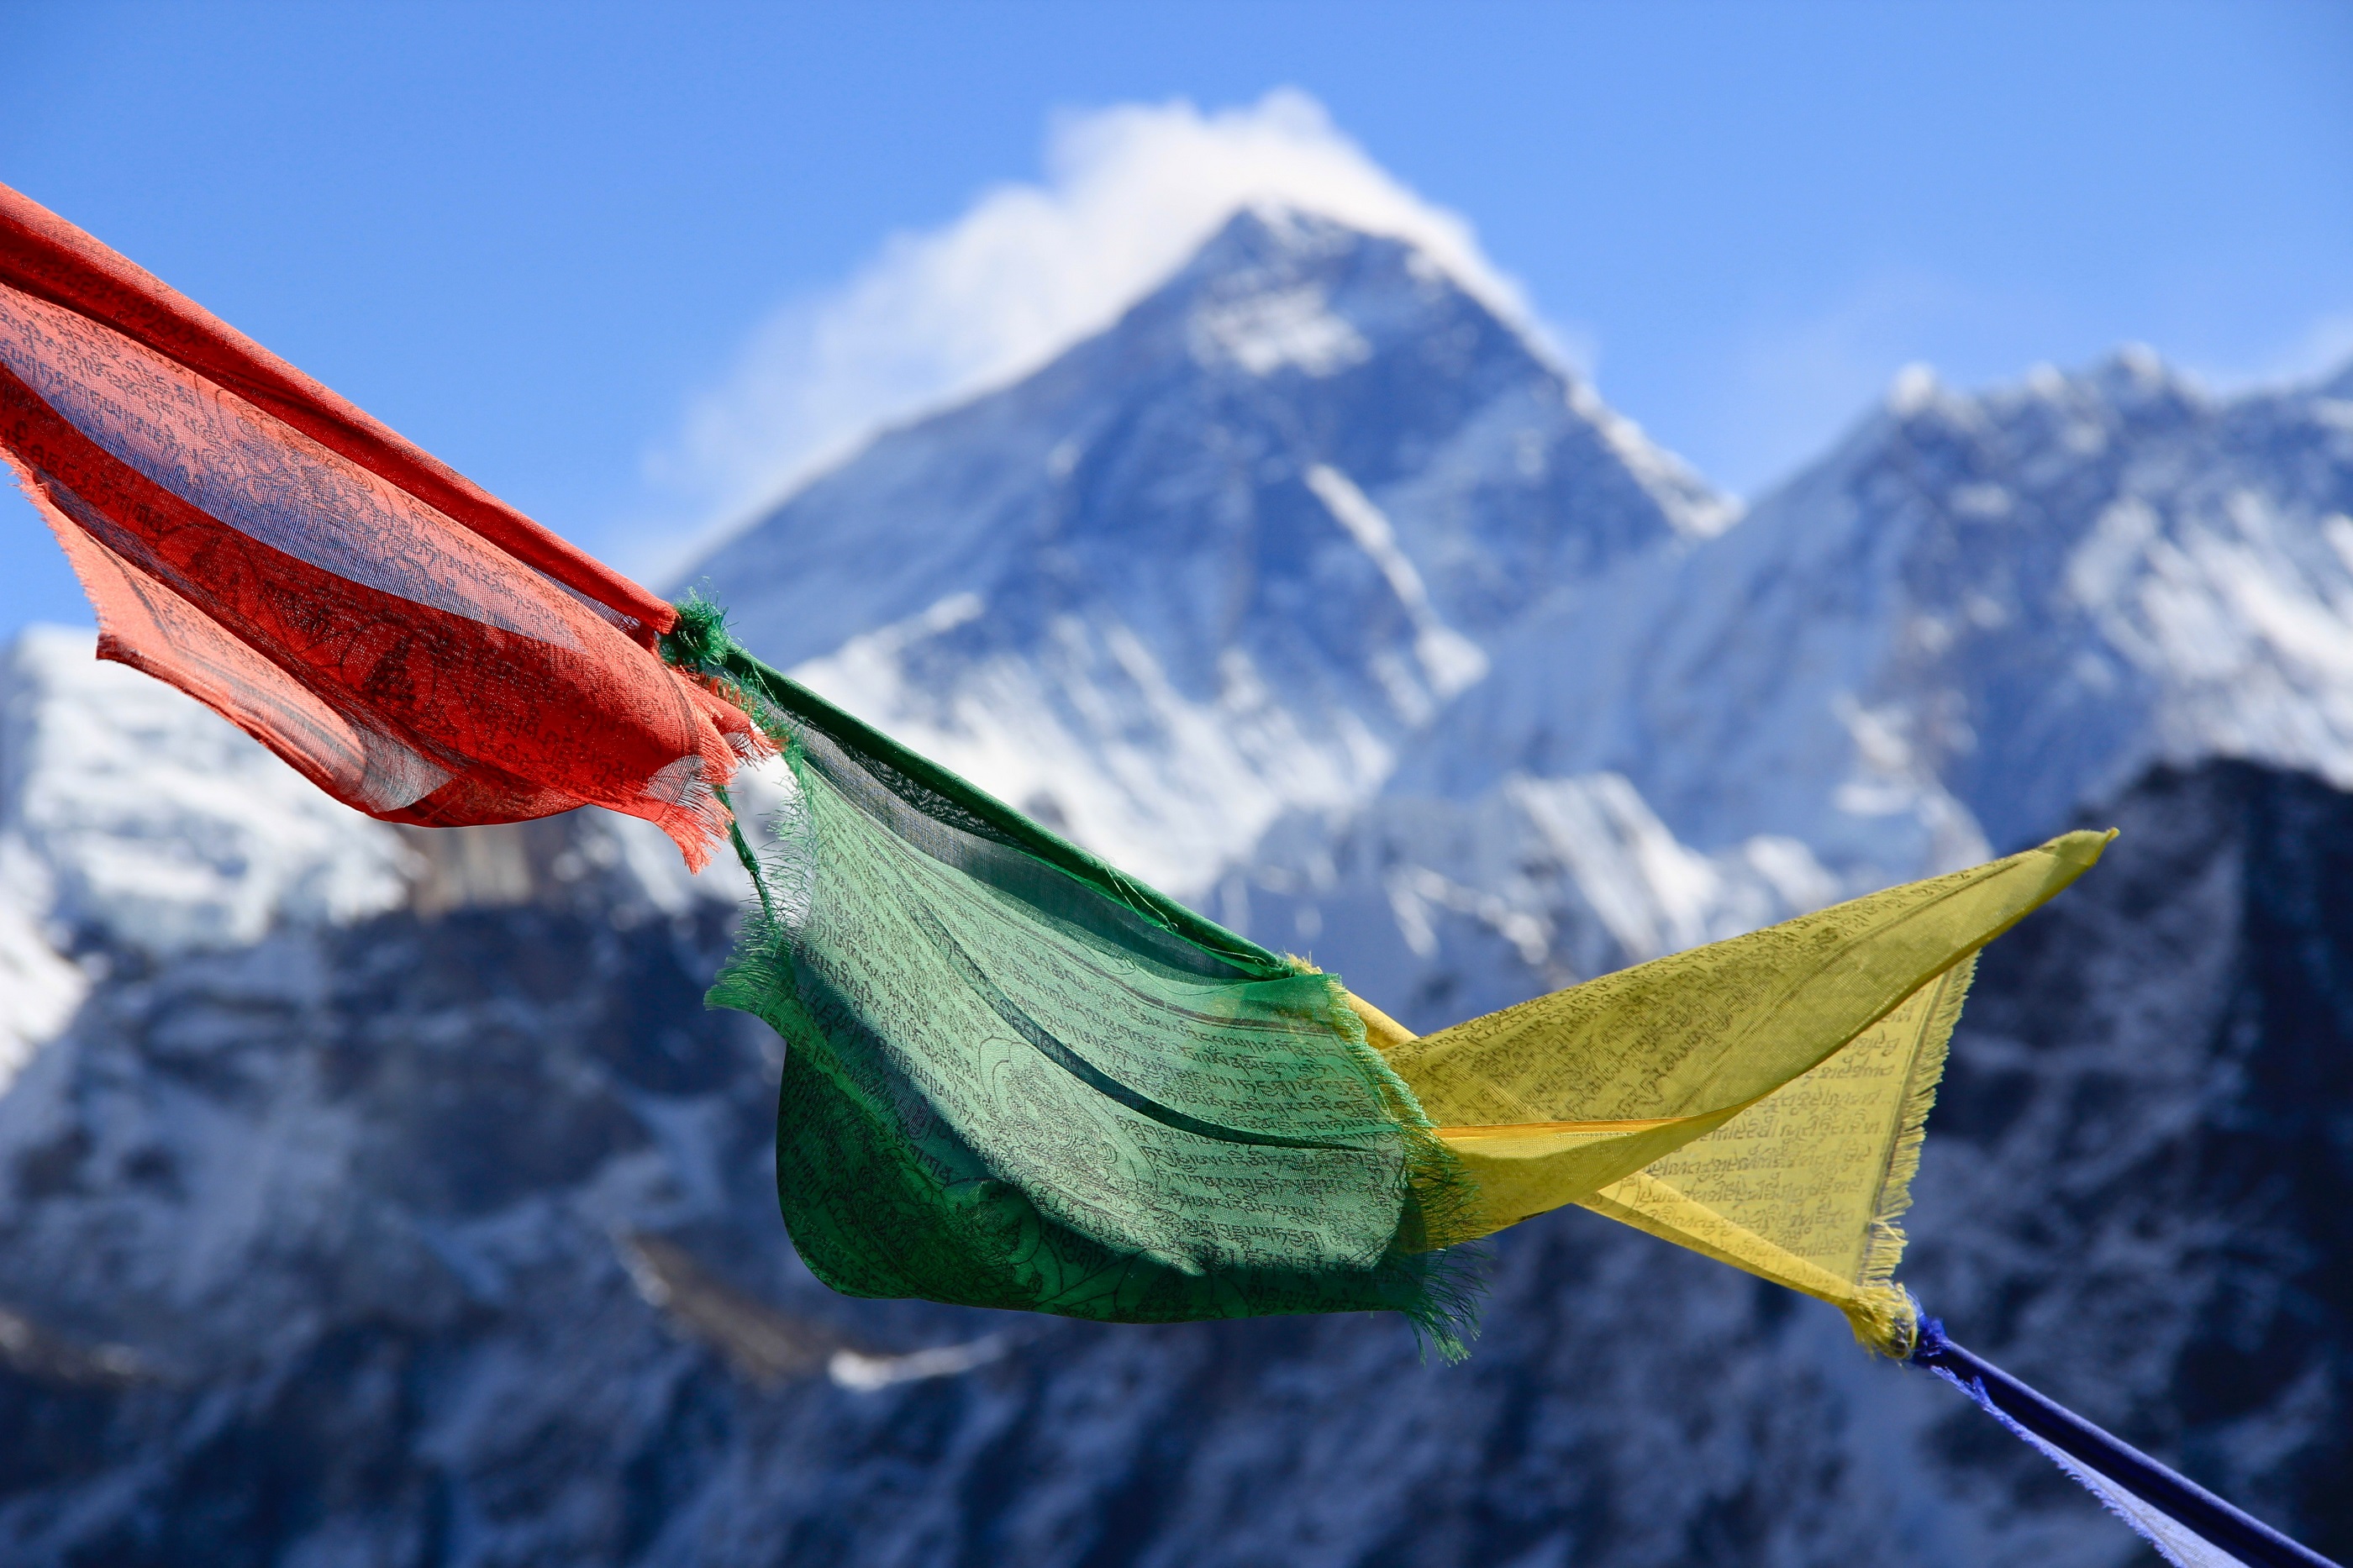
(2241, 1534)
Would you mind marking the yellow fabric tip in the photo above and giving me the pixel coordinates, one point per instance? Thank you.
(1886, 1321)
(2085, 844)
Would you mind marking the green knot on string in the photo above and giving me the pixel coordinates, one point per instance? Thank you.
(700, 641)
(700, 645)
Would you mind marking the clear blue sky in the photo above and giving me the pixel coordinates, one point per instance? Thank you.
(529, 236)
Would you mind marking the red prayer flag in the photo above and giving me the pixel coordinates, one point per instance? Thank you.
(414, 646)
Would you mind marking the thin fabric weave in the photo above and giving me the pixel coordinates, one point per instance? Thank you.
(1016, 1077)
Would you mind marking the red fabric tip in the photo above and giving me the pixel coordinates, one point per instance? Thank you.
(419, 649)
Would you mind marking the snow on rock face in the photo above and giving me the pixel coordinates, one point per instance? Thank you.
(128, 809)
(39, 989)
(1217, 563)
(136, 825)
(352, 1199)
(1977, 613)
(2135, 1181)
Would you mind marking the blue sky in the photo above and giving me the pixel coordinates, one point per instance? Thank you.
(625, 265)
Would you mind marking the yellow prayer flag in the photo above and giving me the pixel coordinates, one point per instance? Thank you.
(1759, 1100)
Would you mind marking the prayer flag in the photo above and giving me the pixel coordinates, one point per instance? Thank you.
(418, 650)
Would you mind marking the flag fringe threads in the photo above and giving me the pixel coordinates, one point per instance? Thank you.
(1886, 1318)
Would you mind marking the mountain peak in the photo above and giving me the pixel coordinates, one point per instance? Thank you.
(1271, 234)
(1980, 610)
(1281, 288)
(1218, 560)
(2130, 381)
(1914, 390)
(1269, 243)
(2134, 376)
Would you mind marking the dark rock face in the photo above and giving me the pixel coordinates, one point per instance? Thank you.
(350, 1201)
(2142, 1161)
(320, 1187)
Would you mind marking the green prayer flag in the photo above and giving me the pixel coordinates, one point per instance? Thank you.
(1016, 1079)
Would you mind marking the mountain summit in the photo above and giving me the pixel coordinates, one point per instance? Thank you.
(1220, 560)
(1977, 613)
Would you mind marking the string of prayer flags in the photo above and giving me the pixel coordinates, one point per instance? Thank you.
(1016, 1077)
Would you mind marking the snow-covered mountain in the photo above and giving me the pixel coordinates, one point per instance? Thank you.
(136, 827)
(1437, 910)
(379, 1195)
(127, 817)
(1217, 562)
(1979, 611)
(130, 820)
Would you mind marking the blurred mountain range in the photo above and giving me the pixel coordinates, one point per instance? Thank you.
(377, 1195)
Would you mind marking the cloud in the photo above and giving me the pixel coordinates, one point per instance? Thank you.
(1026, 270)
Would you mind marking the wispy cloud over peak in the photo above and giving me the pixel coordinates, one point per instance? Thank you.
(1025, 271)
